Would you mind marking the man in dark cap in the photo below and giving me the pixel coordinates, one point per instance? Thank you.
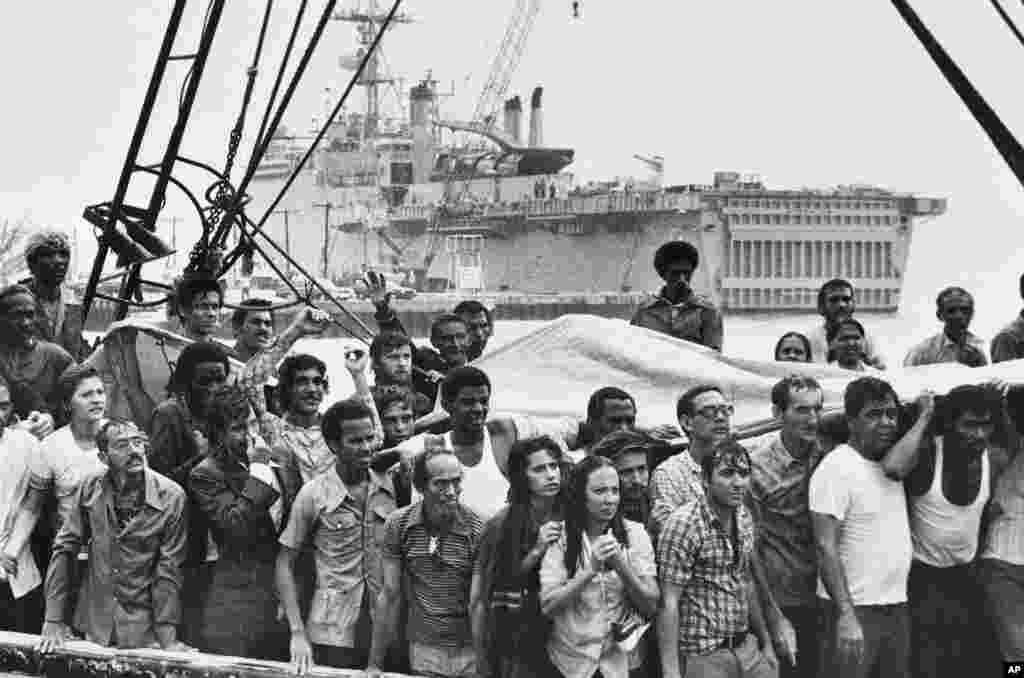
(676, 310)
(47, 254)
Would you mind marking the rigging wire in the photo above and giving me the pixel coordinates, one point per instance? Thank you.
(334, 113)
(254, 160)
(1007, 20)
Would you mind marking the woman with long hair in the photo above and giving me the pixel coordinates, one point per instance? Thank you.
(506, 586)
(598, 580)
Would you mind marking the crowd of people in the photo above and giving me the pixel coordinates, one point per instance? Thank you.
(244, 519)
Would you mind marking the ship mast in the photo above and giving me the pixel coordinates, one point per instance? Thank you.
(369, 19)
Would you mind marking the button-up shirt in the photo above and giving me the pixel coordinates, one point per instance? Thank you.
(581, 639)
(711, 566)
(133, 581)
(941, 349)
(1009, 343)
(437, 571)
(61, 465)
(18, 450)
(694, 319)
(785, 541)
(348, 540)
(675, 482)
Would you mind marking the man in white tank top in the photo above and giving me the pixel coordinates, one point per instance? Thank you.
(481, 445)
(948, 485)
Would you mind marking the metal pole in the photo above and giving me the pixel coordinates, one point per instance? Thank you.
(327, 215)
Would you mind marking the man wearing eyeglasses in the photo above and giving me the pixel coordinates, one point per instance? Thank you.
(131, 521)
(836, 302)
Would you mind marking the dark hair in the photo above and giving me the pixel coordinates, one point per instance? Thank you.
(576, 510)
(803, 340)
(794, 382)
(337, 414)
(227, 403)
(72, 377)
(385, 342)
(519, 462)
(420, 478)
(595, 406)
(864, 390)
(829, 285)
(189, 288)
(191, 356)
(240, 314)
(460, 378)
(972, 398)
(949, 291)
(387, 397)
(685, 403)
(726, 449)
(11, 291)
(103, 434)
(671, 252)
(444, 319)
(833, 331)
(620, 442)
(472, 307)
(287, 371)
(1020, 284)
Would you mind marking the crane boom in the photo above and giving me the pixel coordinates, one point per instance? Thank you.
(505, 62)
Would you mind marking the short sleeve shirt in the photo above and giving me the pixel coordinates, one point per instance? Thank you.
(62, 465)
(437, 570)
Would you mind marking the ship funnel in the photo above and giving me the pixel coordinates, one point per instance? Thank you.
(536, 118)
(513, 119)
(421, 103)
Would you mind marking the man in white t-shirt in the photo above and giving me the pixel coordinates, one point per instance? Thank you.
(859, 516)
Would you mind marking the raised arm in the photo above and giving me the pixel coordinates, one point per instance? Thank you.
(901, 459)
(235, 515)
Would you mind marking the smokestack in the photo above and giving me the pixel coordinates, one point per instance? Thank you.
(536, 118)
(421, 101)
(513, 119)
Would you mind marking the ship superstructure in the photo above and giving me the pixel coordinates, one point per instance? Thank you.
(409, 195)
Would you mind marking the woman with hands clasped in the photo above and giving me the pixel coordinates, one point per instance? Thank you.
(508, 628)
(596, 578)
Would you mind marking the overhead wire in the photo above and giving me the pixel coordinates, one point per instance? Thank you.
(998, 6)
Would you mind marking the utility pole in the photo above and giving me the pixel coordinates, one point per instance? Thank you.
(327, 216)
(288, 234)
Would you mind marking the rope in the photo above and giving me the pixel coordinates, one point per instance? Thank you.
(1007, 20)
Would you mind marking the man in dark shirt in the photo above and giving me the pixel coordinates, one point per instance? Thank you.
(131, 522)
(29, 363)
(47, 255)
(1009, 343)
(198, 303)
(677, 310)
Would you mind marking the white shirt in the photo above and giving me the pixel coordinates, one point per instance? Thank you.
(62, 464)
(18, 449)
(817, 338)
(874, 530)
(945, 534)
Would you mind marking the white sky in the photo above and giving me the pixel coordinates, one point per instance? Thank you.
(802, 92)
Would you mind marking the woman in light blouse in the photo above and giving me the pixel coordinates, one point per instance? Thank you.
(596, 578)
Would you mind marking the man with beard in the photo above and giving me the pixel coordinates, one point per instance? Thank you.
(954, 307)
(131, 522)
(428, 555)
(948, 483)
(483, 446)
(862, 532)
(477, 317)
(47, 255)
(28, 363)
(341, 513)
(710, 622)
(244, 495)
(836, 302)
(631, 452)
(391, 356)
(781, 468)
(677, 310)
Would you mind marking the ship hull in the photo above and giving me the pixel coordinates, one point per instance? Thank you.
(507, 241)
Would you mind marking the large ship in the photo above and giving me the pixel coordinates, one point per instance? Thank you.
(503, 214)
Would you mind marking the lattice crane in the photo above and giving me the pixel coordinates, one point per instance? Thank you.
(505, 62)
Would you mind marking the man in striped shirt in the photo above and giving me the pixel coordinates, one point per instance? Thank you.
(428, 555)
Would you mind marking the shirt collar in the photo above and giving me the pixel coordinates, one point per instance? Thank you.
(154, 496)
(459, 526)
(337, 491)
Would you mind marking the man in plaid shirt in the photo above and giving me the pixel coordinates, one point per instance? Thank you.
(710, 621)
